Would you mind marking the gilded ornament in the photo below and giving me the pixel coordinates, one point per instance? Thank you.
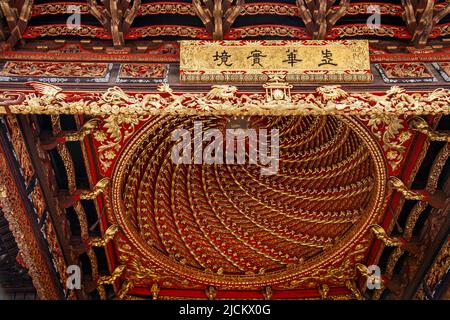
(380, 233)
(155, 291)
(113, 277)
(399, 186)
(324, 290)
(108, 236)
(419, 124)
(351, 285)
(211, 292)
(267, 292)
(126, 286)
(99, 188)
(85, 130)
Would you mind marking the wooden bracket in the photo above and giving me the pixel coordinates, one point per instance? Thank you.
(218, 15)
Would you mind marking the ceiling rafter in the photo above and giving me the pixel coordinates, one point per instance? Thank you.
(17, 14)
(218, 15)
(421, 16)
(116, 16)
(319, 16)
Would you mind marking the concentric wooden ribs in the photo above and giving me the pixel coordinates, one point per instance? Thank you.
(230, 220)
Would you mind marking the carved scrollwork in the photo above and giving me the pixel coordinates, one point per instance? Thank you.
(108, 236)
(85, 130)
(99, 188)
(381, 234)
(218, 15)
(420, 124)
(399, 186)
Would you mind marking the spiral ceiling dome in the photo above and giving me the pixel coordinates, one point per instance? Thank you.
(230, 219)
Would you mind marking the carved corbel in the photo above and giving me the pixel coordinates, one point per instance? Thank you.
(99, 188)
(421, 125)
(420, 18)
(116, 16)
(211, 292)
(398, 185)
(218, 15)
(108, 236)
(17, 16)
(395, 285)
(104, 280)
(66, 201)
(320, 16)
(87, 128)
(155, 291)
(437, 199)
(126, 287)
(267, 293)
(113, 277)
(380, 234)
(351, 285)
(324, 290)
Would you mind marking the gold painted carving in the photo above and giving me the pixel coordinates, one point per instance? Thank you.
(99, 188)
(85, 130)
(267, 293)
(218, 15)
(388, 129)
(419, 124)
(336, 274)
(103, 280)
(440, 266)
(20, 147)
(55, 30)
(211, 292)
(126, 286)
(122, 108)
(324, 290)
(366, 274)
(380, 234)
(22, 230)
(64, 154)
(399, 186)
(155, 291)
(351, 285)
(107, 237)
(108, 280)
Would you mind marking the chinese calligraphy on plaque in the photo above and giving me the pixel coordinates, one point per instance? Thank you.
(250, 61)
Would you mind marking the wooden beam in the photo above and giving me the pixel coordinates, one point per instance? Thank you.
(15, 203)
(217, 15)
(430, 253)
(116, 16)
(50, 198)
(320, 16)
(421, 16)
(17, 16)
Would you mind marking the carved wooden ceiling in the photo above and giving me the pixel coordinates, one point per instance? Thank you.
(227, 225)
(153, 229)
(355, 188)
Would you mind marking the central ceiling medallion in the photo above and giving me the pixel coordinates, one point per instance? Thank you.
(228, 225)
